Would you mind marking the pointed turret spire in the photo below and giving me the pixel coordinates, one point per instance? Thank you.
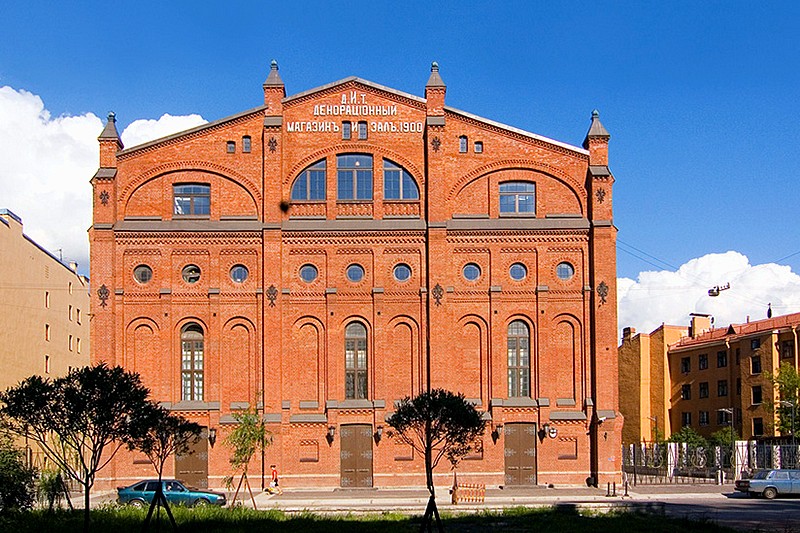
(435, 80)
(596, 130)
(274, 78)
(110, 131)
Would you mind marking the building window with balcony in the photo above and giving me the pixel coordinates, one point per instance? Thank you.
(354, 176)
(702, 361)
(703, 390)
(355, 364)
(519, 363)
(722, 359)
(192, 199)
(310, 184)
(722, 387)
(192, 354)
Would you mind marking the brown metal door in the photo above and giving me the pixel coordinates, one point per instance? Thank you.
(192, 467)
(520, 452)
(356, 455)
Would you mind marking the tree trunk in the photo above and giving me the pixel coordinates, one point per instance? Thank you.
(86, 510)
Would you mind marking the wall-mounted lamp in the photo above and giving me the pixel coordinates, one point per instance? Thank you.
(331, 433)
(497, 431)
(212, 436)
(549, 431)
(378, 434)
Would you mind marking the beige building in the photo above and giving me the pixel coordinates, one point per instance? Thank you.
(44, 327)
(711, 374)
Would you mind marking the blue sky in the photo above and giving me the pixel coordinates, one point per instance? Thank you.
(701, 98)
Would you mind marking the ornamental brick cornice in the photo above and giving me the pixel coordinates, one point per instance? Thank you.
(508, 237)
(519, 164)
(518, 250)
(189, 165)
(354, 251)
(198, 131)
(173, 238)
(542, 143)
(304, 251)
(403, 251)
(471, 250)
(356, 147)
(141, 252)
(349, 238)
(336, 89)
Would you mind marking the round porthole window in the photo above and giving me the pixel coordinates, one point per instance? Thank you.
(517, 271)
(565, 271)
(402, 272)
(142, 274)
(191, 273)
(308, 273)
(239, 273)
(471, 271)
(355, 273)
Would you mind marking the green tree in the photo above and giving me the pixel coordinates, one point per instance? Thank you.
(786, 384)
(17, 490)
(248, 437)
(438, 424)
(160, 435)
(80, 420)
(690, 437)
(724, 437)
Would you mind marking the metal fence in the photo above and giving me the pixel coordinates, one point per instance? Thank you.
(674, 463)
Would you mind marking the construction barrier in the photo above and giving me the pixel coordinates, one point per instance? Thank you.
(468, 492)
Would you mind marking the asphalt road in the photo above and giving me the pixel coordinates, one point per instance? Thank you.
(738, 511)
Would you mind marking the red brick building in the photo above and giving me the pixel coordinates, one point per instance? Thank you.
(309, 247)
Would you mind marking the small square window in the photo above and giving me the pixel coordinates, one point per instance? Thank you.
(755, 344)
(478, 147)
(231, 147)
(246, 144)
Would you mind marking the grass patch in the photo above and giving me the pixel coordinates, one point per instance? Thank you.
(242, 520)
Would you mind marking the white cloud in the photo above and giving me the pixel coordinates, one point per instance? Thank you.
(46, 164)
(144, 130)
(668, 297)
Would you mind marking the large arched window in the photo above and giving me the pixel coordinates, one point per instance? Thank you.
(192, 363)
(398, 183)
(310, 184)
(519, 360)
(354, 175)
(355, 365)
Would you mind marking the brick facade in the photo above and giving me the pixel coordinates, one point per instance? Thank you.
(287, 337)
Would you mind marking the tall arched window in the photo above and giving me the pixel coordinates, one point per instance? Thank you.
(355, 365)
(519, 360)
(398, 183)
(192, 363)
(310, 184)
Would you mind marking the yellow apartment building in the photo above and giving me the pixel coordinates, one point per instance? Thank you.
(714, 376)
(44, 326)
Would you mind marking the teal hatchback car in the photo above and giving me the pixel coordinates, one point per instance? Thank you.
(141, 494)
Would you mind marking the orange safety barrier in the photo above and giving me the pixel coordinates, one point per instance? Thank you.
(468, 492)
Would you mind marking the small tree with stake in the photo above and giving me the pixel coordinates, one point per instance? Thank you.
(437, 424)
(249, 436)
(79, 420)
(159, 436)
